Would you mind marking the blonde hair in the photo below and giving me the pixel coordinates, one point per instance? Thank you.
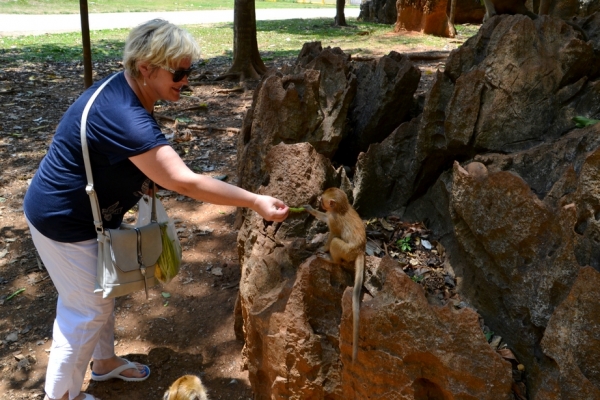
(159, 43)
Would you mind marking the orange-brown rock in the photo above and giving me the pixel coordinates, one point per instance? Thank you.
(409, 349)
(427, 16)
(309, 104)
(293, 306)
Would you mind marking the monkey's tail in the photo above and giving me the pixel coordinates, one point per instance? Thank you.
(359, 269)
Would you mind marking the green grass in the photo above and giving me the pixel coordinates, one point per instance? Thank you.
(275, 39)
(105, 6)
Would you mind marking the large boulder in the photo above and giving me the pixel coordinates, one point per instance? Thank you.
(495, 168)
(297, 319)
(309, 104)
(385, 171)
(519, 215)
(385, 12)
(568, 9)
(410, 349)
(518, 248)
(426, 16)
(392, 80)
(516, 84)
(572, 342)
(542, 67)
(380, 11)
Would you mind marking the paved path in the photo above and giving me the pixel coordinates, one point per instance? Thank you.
(20, 24)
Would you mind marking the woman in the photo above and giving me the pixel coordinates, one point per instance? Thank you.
(127, 150)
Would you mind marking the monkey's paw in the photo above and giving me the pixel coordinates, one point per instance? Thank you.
(324, 256)
(308, 208)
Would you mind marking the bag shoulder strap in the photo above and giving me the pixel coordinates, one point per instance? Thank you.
(89, 189)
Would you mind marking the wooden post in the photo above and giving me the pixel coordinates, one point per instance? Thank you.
(87, 47)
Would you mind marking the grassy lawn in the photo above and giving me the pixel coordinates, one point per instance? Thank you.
(275, 39)
(104, 6)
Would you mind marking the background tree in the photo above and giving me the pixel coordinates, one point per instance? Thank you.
(451, 27)
(340, 17)
(247, 63)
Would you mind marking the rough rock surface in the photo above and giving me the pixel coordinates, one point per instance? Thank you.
(426, 16)
(392, 80)
(515, 85)
(591, 26)
(380, 11)
(310, 105)
(520, 218)
(542, 65)
(385, 171)
(296, 311)
(412, 350)
(468, 12)
(285, 354)
(385, 12)
(495, 167)
(571, 340)
(519, 250)
(567, 9)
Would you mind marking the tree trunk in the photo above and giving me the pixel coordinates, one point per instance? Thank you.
(340, 18)
(451, 27)
(247, 63)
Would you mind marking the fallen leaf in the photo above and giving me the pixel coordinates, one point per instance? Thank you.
(507, 354)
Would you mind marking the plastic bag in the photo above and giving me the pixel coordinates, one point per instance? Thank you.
(170, 260)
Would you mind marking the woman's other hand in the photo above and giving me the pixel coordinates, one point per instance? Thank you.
(270, 208)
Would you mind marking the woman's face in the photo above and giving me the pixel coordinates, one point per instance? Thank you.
(162, 81)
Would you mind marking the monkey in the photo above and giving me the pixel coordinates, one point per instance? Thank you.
(188, 387)
(477, 170)
(347, 242)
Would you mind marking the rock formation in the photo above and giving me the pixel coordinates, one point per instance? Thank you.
(571, 342)
(494, 166)
(298, 321)
(385, 11)
(426, 16)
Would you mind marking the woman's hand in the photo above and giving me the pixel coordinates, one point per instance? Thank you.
(270, 208)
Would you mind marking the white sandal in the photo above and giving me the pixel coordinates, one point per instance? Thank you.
(116, 373)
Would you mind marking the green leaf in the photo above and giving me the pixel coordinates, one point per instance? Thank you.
(166, 295)
(404, 244)
(582, 122)
(15, 293)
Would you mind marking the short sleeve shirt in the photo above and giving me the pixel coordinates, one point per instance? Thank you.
(118, 127)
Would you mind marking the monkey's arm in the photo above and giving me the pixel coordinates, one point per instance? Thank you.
(321, 216)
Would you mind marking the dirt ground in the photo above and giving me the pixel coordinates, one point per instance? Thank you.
(186, 326)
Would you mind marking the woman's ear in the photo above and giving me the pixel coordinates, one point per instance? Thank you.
(144, 69)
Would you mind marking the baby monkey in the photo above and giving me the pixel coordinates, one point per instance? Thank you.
(347, 242)
(188, 387)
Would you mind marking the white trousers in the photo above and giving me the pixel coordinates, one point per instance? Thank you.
(84, 324)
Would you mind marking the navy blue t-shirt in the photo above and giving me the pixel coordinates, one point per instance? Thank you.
(118, 127)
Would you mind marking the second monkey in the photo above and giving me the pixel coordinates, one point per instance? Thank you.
(347, 242)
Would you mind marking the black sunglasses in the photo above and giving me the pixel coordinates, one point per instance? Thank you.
(178, 74)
